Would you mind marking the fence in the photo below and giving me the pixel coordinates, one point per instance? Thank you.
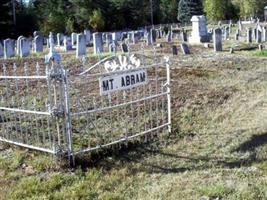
(120, 98)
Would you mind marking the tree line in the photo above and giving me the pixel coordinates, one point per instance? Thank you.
(68, 16)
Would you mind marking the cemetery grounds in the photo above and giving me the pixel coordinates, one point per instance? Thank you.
(217, 148)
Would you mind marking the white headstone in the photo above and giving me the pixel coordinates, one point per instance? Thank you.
(9, 48)
(24, 47)
(38, 44)
(199, 30)
(73, 39)
(81, 45)
(97, 42)
(67, 44)
(18, 45)
(87, 34)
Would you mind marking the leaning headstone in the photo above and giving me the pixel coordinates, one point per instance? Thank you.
(199, 30)
(81, 45)
(9, 48)
(73, 39)
(124, 48)
(217, 39)
(185, 48)
(38, 44)
(249, 35)
(97, 42)
(174, 50)
(24, 48)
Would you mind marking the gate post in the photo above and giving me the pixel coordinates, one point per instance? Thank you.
(67, 119)
(168, 85)
(61, 104)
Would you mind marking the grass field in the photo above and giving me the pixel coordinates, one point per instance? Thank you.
(217, 150)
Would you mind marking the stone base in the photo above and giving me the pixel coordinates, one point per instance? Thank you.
(199, 40)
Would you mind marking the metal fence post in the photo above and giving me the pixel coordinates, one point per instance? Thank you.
(168, 85)
(67, 119)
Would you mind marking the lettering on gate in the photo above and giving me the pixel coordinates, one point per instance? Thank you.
(109, 84)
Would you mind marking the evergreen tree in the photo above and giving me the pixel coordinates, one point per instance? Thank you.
(5, 18)
(183, 11)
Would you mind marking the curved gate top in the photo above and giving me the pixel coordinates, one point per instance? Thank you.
(119, 98)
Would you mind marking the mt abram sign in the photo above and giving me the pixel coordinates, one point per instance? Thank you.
(127, 80)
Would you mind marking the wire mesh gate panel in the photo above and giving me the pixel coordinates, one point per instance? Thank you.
(118, 99)
(32, 107)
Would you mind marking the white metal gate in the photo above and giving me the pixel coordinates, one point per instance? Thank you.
(118, 99)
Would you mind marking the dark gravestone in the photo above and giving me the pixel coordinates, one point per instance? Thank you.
(124, 48)
(249, 35)
(184, 36)
(185, 48)
(174, 50)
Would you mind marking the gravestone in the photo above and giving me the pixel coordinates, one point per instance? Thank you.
(73, 39)
(169, 37)
(240, 25)
(148, 38)
(112, 47)
(260, 47)
(35, 33)
(67, 46)
(249, 35)
(18, 45)
(108, 39)
(134, 37)
(124, 48)
(184, 36)
(153, 34)
(255, 34)
(9, 48)
(259, 34)
(199, 30)
(38, 44)
(226, 33)
(81, 45)
(264, 34)
(1, 49)
(174, 50)
(87, 34)
(185, 48)
(97, 42)
(60, 38)
(217, 39)
(24, 47)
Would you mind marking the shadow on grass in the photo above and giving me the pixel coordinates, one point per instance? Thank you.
(254, 142)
